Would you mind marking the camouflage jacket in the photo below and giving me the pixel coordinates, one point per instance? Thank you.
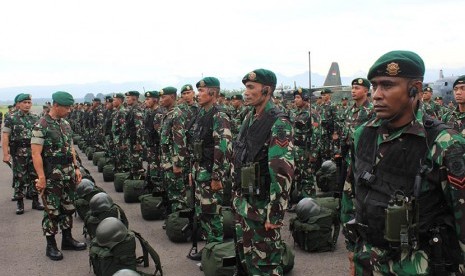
(222, 148)
(455, 119)
(135, 129)
(281, 169)
(55, 135)
(19, 126)
(307, 131)
(432, 109)
(173, 139)
(446, 163)
(354, 117)
(119, 126)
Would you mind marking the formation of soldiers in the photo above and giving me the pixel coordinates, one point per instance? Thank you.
(188, 140)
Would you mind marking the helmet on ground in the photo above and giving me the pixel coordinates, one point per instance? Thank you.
(100, 202)
(306, 208)
(126, 272)
(328, 167)
(110, 232)
(85, 187)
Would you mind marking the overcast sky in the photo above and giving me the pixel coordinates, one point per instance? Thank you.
(59, 42)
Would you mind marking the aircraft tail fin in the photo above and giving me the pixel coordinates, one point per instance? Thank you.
(334, 76)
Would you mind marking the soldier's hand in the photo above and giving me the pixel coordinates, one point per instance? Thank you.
(40, 184)
(216, 185)
(177, 170)
(6, 158)
(138, 147)
(335, 136)
(78, 176)
(269, 226)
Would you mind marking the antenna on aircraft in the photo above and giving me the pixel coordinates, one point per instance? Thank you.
(441, 74)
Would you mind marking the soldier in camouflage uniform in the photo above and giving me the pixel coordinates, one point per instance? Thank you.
(429, 106)
(135, 132)
(97, 120)
(328, 144)
(153, 116)
(442, 108)
(305, 147)
(119, 134)
(456, 118)
(211, 156)
(237, 114)
(58, 173)
(408, 156)
(107, 121)
(188, 107)
(264, 147)
(17, 133)
(174, 153)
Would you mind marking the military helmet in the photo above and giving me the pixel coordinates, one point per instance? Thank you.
(85, 187)
(328, 167)
(100, 202)
(307, 208)
(110, 232)
(126, 272)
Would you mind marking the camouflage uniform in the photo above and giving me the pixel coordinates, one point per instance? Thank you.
(212, 128)
(153, 118)
(260, 250)
(55, 135)
(432, 109)
(456, 120)
(97, 121)
(108, 137)
(441, 193)
(120, 139)
(174, 153)
(237, 117)
(136, 137)
(328, 147)
(19, 128)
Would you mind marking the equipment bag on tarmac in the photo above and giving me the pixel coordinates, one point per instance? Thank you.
(317, 234)
(119, 181)
(152, 207)
(108, 173)
(178, 229)
(93, 219)
(133, 189)
(106, 261)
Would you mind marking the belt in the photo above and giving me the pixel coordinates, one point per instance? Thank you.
(59, 160)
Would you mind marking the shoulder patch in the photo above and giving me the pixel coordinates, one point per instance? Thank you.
(281, 139)
(455, 163)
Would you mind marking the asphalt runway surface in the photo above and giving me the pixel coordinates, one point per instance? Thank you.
(23, 244)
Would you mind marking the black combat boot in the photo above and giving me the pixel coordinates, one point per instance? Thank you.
(68, 243)
(36, 203)
(20, 206)
(195, 256)
(52, 251)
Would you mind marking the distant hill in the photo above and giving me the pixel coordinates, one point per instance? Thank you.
(41, 94)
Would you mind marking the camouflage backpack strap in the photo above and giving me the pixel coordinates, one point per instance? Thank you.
(148, 249)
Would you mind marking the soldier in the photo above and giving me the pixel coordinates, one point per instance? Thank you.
(17, 134)
(135, 132)
(407, 163)
(328, 145)
(305, 149)
(58, 174)
(107, 121)
(174, 153)
(97, 120)
(188, 106)
(211, 156)
(119, 134)
(429, 105)
(237, 113)
(456, 118)
(263, 148)
(153, 116)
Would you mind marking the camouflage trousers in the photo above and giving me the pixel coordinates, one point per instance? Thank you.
(24, 176)
(122, 160)
(155, 171)
(58, 198)
(176, 190)
(347, 211)
(304, 178)
(370, 260)
(260, 251)
(136, 161)
(208, 209)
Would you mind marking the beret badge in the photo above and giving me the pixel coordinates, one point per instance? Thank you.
(360, 81)
(392, 69)
(252, 76)
(202, 83)
(161, 92)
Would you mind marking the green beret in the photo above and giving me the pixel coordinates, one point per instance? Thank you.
(132, 93)
(96, 100)
(223, 95)
(23, 97)
(361, 81)
(63, 98)
(460, 80)
(45, 106)
(345, 98)
(152, 94)
(262, 76)
(10, 106)
(118, 95)
(208, 82)
(404, 64)
(87, 104)
(302, 92)
(326, 91)
(438, 98)
(186, 87)
(428, 89)
(277, 97)
(108, 99)
(236, 97)
(16, 98)
(169, 90)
